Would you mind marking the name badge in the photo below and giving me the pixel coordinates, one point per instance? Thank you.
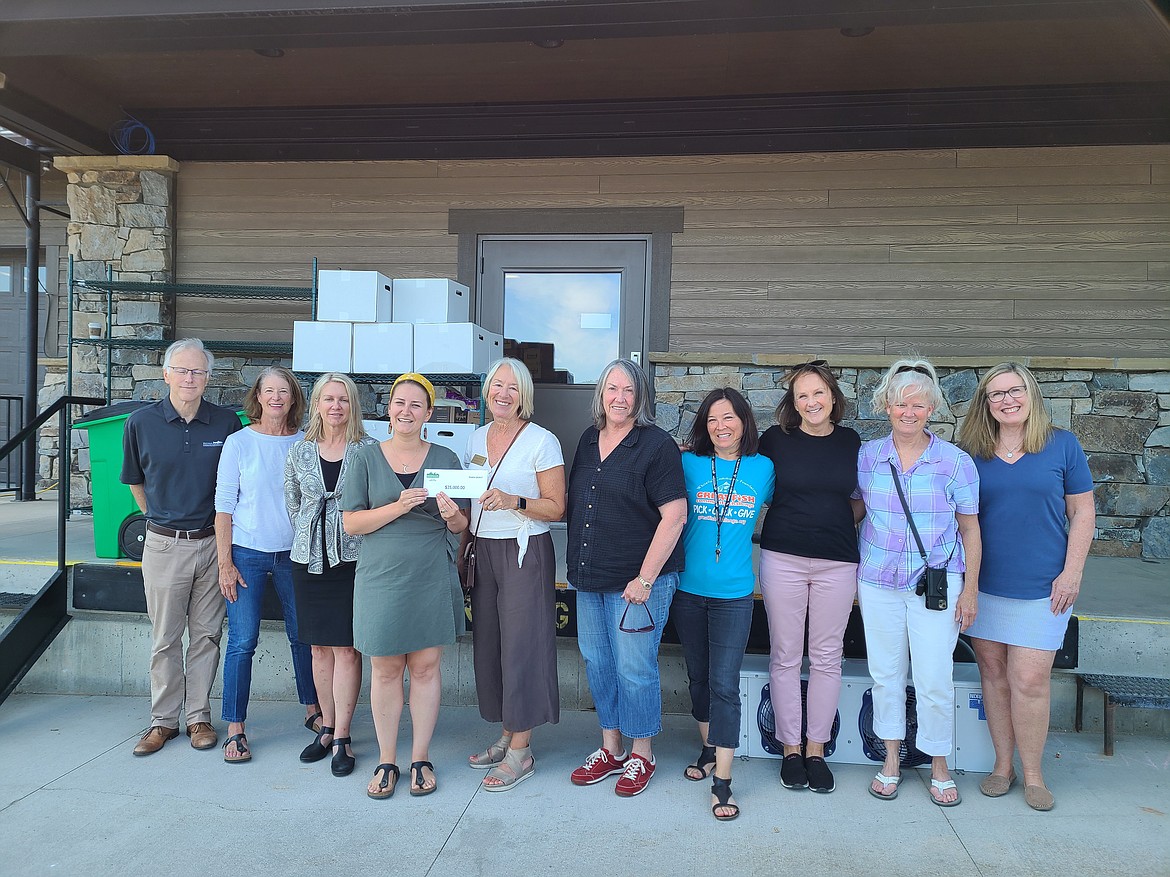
(478, 460)
(456, 483)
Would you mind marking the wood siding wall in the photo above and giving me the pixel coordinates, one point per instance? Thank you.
(1060, 251)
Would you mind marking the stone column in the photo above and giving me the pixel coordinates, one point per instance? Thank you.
(122, 216)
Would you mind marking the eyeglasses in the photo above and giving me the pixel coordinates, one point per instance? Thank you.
(649, 619)
(997, 396)
(913, 368)
(193, 372)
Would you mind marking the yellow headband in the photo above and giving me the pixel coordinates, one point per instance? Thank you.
(416, 378)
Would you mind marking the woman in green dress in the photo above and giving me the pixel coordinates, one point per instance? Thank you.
(407, 603)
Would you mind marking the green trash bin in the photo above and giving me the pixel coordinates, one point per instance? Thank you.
(118, 525)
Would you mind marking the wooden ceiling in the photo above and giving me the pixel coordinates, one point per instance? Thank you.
(198, 81)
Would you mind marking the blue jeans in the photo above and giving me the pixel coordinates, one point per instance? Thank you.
(622, 668)
(714, 635)
(244, 630)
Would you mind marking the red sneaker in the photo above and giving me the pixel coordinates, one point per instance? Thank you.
(636, 776)
(597, 767)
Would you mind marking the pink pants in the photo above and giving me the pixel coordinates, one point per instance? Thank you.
(796, 588)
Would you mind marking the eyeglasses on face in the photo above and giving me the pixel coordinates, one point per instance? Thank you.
(649, 620)
(194, 372)
(997, 396)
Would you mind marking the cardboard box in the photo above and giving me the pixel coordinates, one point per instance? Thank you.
(322, 346)
(354, 296)
(383, 348)
(454, 348)
(450, 435)
(431, 300)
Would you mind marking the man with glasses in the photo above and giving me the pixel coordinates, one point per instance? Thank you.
(170, 454)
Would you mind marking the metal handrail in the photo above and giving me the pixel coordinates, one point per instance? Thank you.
(41, 619)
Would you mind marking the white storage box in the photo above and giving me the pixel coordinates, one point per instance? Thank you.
(455, 348)
(431, 300)
(354, 296)
(322, 347)
(450, 435)
(383, 348)
(379, 429)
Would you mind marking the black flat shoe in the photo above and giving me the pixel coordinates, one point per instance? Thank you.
(820, 778)
(342, 764)
(315, 751)
(792, 773)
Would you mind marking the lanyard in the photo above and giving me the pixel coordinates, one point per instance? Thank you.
(721, 513)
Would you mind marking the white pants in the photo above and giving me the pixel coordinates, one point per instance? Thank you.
(892, 620)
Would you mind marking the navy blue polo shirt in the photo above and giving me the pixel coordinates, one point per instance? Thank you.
(613, 507)
(175, 461)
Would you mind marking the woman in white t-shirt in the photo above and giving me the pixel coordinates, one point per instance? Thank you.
(513, 602)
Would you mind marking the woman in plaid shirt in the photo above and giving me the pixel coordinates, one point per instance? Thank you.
(941, 486)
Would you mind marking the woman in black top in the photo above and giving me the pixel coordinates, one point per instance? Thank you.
(808, 565)
(626, 510)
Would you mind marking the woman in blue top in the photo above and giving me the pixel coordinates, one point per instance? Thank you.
(1032, 478)
(727, 484)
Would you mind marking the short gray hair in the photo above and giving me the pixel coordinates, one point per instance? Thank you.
(188, 344)
(908, 377)
(643, 415)
(523, 383)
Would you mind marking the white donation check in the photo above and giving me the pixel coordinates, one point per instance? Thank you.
(457, 483)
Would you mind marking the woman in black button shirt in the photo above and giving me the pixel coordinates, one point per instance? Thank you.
(808, 565)
(627, 507)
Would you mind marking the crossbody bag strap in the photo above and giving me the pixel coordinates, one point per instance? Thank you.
(906, 509)
(499, 463)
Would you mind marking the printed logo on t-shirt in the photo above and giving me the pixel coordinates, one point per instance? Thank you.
(741, 510)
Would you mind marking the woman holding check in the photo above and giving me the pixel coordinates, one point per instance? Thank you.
(407, 600)
(513, 602)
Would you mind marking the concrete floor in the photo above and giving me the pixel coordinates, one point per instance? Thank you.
(74, 802)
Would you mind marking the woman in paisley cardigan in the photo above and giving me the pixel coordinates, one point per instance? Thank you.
(324, 558)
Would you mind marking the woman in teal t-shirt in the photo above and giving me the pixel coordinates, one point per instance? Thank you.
(727, 484)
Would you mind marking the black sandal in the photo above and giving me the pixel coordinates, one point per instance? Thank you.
(312, 722)
(385, 790)
(417, 789)
(244, 753)
(706, 756)
(342, 764)
(721, 789)
(316, 750)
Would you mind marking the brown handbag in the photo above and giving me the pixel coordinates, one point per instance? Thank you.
(466, 565)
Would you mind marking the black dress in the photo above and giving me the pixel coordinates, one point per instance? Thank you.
(325, 601)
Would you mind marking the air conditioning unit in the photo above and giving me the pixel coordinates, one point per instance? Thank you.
(972, 750)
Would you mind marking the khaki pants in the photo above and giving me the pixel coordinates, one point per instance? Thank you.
(181, 577)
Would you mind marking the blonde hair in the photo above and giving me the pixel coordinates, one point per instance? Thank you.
(979, 432)
(355, 430)
(523, 384)
(908, 377)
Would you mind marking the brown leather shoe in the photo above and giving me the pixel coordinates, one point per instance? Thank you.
(202, 735)
(154, 739)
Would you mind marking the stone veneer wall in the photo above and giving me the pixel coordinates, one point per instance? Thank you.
(1120, 415)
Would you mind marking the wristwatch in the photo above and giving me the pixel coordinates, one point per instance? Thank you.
(521, 503)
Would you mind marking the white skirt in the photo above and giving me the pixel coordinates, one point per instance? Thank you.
(1026, 623)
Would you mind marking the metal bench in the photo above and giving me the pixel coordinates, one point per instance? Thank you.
(1142, 692)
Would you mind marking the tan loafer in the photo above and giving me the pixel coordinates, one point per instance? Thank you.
(1039, 798)
(202, 735)
(154, 740)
